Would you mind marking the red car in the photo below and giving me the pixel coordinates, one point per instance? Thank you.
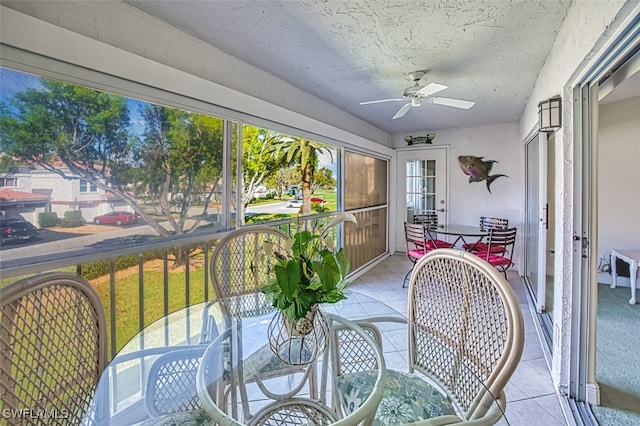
(318, 200)
(116, 218)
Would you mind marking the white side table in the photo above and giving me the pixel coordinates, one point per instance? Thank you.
(632, 257)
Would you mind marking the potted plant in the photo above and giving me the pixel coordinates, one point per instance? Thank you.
(310, 272)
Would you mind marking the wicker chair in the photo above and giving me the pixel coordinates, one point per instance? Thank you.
(295, 409)
(171, 383)
(499, 249)
(239, 267)
(487, 223)
(349, 356)
(466, 336)
(52, 348)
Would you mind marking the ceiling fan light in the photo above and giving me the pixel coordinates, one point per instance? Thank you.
(415, 102)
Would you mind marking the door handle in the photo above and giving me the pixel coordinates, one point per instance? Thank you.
(441, 210)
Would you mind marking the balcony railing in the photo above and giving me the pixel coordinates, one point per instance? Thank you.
(141, 282)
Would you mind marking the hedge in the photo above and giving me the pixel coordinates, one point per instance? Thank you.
(102, 267)
(72, 219)
(48, 219)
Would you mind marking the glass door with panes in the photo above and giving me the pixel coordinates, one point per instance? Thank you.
(422, 177)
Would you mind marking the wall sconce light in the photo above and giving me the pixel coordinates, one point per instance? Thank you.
(550, 114)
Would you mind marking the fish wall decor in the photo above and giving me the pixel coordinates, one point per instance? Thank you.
(477, 169)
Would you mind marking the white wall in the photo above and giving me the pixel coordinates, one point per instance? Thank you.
(469, 201)
(618, 178)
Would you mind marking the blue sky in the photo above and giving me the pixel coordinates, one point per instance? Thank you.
(12, 82)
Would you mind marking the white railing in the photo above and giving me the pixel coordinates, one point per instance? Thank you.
(170, 273)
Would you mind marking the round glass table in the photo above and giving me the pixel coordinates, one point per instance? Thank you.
(196, 366)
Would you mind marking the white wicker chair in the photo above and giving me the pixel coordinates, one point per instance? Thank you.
(292, 409)
(349, 355)
(52, 347)
(239, 267)
(466, 336)
(171, 382)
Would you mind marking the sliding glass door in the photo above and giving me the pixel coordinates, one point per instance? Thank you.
(538, 226)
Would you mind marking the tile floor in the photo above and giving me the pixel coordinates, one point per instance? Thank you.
(531, 398)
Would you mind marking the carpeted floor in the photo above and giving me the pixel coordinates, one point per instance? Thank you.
(617, 353)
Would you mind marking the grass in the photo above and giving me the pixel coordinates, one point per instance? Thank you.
(127, 297)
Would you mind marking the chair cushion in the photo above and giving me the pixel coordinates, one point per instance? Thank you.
(407, 398)
(264, 363)
(434, 244)
(416, 253)
(493, 259)
(483, 247)
(186, 418)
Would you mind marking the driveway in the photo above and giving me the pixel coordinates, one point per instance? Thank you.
(61, 239)
(51, 240)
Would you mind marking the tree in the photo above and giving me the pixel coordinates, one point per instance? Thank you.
(323, 178)
(181, 163)
(258, 163)
(175, 160)
(304, 153)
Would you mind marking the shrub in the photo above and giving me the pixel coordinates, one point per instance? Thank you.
(102, 267)
(48, 219)
(319, 207)
(72, 219)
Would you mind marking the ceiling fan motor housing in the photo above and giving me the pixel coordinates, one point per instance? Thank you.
(412, 92)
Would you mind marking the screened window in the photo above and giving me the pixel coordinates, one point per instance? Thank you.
(366, 197)
(284, 175)
(168, 159)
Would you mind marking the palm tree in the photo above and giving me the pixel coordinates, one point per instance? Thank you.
(302, 152)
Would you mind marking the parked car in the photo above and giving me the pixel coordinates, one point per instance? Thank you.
(294, 203)
(116, 218)
(318, 200)
(15, 230)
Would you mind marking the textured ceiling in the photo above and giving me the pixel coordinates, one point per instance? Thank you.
(347, 52)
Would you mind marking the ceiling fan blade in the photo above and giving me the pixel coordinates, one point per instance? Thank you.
(431, 88)
(381, 100)
(456, 103)
(402, 111)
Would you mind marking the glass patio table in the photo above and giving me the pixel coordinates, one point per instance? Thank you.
(122, 393)
(461, 232)
(204, 363)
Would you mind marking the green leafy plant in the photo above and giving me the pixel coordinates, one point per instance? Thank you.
(312, 271)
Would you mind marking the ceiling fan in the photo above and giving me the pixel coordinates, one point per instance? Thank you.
(416, 93)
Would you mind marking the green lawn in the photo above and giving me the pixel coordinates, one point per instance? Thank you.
(127, 299)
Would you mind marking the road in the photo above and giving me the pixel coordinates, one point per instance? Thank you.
(50, 244)
(272, 208)
(53, 242)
